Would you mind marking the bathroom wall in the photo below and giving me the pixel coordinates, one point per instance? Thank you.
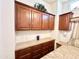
(32, 2)
(66, 7)
(7, 32)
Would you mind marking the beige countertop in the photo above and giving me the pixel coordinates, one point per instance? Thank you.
(31, 43)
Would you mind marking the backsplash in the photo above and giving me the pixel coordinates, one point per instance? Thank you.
(22, 36)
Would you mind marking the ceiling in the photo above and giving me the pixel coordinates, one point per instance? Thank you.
(50, 1)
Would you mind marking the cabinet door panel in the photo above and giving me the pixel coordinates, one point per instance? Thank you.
(51, 22)
(23, 17)
(23, 53)
(36, 19)
(36, 51)
(38, 56)
(45, 18)
(17, 15)
(26, 56)
(64, 21)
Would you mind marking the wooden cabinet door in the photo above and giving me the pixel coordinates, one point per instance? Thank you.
(51, 45)
(23, 17)
(36, 51)
(51, 22)
(36, 20)
(45, 18)
(64, 21)
(17, 15)
(44, 48)
(26, 56)
(23, 54)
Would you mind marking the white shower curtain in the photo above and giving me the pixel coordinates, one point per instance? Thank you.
(74, 34)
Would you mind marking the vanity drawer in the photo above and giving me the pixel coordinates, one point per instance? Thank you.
(36, 51)
(23, 53)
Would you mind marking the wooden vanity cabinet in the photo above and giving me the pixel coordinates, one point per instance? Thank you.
(36, 51)
(47, 47)
(64, 21)
(23, 17)
(23, 54)
(51, 44)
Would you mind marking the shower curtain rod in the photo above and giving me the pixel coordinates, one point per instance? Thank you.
(75, 17)
(75, 20)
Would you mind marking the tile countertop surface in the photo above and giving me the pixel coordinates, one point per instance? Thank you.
(31, 43)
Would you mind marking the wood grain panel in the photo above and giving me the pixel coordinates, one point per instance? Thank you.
(36, 20)
(64, 21)
(45, 18)
(36, 51)
(51, 22)
(23, 17)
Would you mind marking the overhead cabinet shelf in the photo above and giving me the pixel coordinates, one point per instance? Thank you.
(30, 18)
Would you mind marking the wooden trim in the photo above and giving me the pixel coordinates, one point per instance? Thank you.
(32, 7)
(74, 20)
(75, 17)
(66, 13)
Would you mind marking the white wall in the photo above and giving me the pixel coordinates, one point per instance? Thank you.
(75, 8)
(32, 2)
(7, 33)
(66, 7)
(22, 36)
(53, 7)
(58, 11)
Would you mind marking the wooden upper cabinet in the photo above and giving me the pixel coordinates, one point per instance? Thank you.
(28, 17)
(23, 17)
(51, 22)
(64, 21)
(36, 20)
(45, 18)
